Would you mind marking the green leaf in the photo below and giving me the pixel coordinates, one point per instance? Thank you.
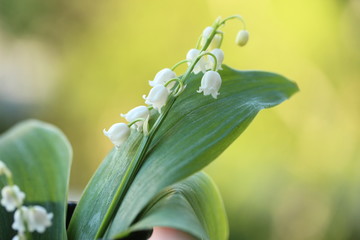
(195, 131)
(193, 205)
(39, 156)
(100, 191)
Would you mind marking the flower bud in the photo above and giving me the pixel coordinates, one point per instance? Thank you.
(157, 97)
(242, 38)
(215, 43)
(207, 32)
(118, 133)
(201, 65)
(12, 197)
(4, 169)
(162, 77)
(20, 219)
(219, 54)
(136, 113)
(210, 84)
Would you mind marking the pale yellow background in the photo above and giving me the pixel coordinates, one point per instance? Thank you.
(294, 174)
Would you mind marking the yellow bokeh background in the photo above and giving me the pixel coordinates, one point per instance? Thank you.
(293, 174)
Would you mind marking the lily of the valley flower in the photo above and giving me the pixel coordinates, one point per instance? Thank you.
(118, 133)
(38, 219)
(207, 32)
(12, 197)
(4, 169)
(210, 84)
(157, 97)
(219, 54)
(34, 218)
(136, 113)
(162, 77)
(216, 42)
(20, 219)
(242, 38)
(201, 65)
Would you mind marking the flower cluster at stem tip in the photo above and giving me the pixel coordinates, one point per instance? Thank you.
(27, 219)
(206, 58)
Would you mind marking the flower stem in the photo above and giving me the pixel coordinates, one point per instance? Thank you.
(135, 121)
(198, 42)
(178, 64)
(234, 17)
(213, 56)
(221, 38)
(170, 81)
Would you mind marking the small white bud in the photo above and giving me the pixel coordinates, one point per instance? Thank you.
(157, 97)
(215, 43)
(201, 65)
(4, 169)
(38, 219)
(219, 54)
(118, 133)
(20, 218)
(35, 218)
(210, 84)
(135, 113)
(162, 77)
(12, 197)
(242, 38)
(207, 32)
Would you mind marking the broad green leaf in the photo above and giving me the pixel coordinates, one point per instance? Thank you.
(100, 191)
(39, 156)
(196, 130)
(193, 205)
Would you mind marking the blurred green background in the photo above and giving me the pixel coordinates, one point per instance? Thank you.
(294, 174)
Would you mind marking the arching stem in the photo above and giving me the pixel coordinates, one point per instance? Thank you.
(234, 17)
(178, 64)
(135, 121)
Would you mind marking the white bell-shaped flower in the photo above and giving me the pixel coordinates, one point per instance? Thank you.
(219, 54)
(201, 65)
(216, 42)
(162, 77)
(242, 38)
(136, 113)
(207, 32)
(38, 219)
(12, 197)
(20, 219)
(210, 84)
(118, 133)
(4, 169)
(157, 97)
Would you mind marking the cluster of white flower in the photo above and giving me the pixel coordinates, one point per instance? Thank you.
(207, 58)
(26, 219)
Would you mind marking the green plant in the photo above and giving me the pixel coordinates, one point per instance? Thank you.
(151, 176)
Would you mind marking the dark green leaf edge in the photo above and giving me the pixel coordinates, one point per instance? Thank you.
(23, 136)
